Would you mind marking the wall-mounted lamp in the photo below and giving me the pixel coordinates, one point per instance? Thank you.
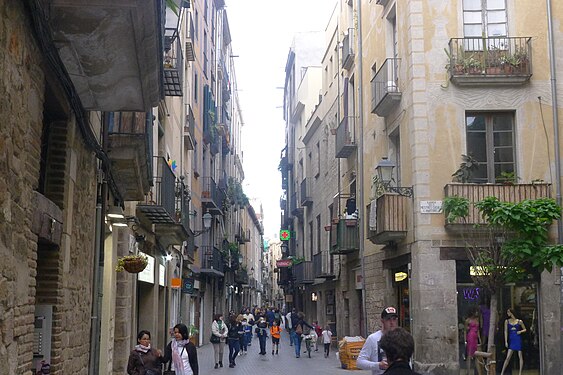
(384, 171)
(115, 212)
(207, 218)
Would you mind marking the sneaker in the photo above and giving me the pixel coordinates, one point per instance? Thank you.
(272, 352)
(276, 352)
(220, 364)
(231, 365)
(216, 365)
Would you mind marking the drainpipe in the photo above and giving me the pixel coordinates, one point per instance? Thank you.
(97, 292)
(554, 107)
(360, 172)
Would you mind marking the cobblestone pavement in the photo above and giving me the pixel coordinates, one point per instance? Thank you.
(283, 364)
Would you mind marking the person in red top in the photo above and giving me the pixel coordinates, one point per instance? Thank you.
(275, 332)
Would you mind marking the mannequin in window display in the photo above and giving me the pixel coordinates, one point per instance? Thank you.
(513, 329)
(472, 338)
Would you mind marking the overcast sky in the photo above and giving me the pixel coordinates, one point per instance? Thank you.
(262, 32)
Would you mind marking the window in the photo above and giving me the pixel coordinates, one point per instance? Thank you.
(318, 161)
(484, 17)
(195, 87)
(490, 140)
(319, 226)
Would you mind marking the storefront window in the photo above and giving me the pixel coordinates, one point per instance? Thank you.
(521, 298)
(401, 281)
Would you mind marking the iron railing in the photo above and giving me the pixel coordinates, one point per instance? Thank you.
(345, 138)
(384, 83)
(348, 49)
(212, 261)
(323, 265)
(303, 272)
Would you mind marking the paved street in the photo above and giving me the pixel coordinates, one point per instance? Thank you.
(283, 364)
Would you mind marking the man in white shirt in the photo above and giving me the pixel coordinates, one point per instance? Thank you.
(371, 356)
(288, 324)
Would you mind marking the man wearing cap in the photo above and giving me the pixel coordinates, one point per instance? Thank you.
(372, 357)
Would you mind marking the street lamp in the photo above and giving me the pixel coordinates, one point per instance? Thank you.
(206, 224)
(384, 172)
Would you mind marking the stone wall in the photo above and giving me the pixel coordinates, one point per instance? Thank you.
(66, 271)
(21, 97)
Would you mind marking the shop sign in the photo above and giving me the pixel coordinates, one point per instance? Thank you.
(147, 275)
(283, 263)
(188, 285)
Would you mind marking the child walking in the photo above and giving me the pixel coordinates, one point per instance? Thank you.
(275, 330)
(327, 337)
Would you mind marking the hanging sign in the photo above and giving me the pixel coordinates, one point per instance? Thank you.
(285, 235)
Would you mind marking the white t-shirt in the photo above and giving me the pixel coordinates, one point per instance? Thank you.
(371, 355)
(327, 335)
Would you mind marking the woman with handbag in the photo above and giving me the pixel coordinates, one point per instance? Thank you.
(218, 337)
(145, 360)
(181, 353)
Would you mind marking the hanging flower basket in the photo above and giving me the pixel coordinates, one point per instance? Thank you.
(132, 263)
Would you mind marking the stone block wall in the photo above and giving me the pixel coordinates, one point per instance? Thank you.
(65, 272)
(21, 97)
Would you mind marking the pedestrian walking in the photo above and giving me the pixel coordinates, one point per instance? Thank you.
(288, 326)
(372, 357)
(327, 339)
(233, 338)
(275, 332)
(143, 358)
(318, 333)
(181, 353)
(218, 338)
(262, 333)
(298, 323)
(398, 346)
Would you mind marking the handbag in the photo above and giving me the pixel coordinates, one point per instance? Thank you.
(299, 329)
(214, 339)
(148, 371)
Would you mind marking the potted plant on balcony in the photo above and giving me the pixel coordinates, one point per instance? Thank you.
(132, 263)
(466, 169)
(508, 178)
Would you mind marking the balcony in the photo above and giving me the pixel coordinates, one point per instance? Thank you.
(344, 237)
(295, 211)
(241, 277)
(212, 263)
(190, 41)
(303, 273)
(110, 49)
(323, 267)
(306, 197)
(189, 251)
(345, 140)
(173, 70)
(130, 152)
(165, 206)
(348, 49)
(490, 61)
(506, 193)
(285, 276)
(212, 196)
(390, 219)
(382, 2)
(385, 93)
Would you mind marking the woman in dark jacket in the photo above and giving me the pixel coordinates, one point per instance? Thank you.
(298, 323)
(144, 360)
(181, 352)
(233, 338)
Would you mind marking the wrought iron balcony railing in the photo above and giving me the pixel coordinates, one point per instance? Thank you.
(173, 69)
(345, 137)
(490, 61)
(348, 49)
(303, 272)
(212, 196)
(323, 266)
(385, 94)
(306, 196)
(212, 262)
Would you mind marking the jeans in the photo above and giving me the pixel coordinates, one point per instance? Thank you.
(296, 339)
(234, 348)
(327, 349)
(243, 343)
(262, 339)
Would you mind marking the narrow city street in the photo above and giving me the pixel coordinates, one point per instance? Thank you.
(283, 364)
